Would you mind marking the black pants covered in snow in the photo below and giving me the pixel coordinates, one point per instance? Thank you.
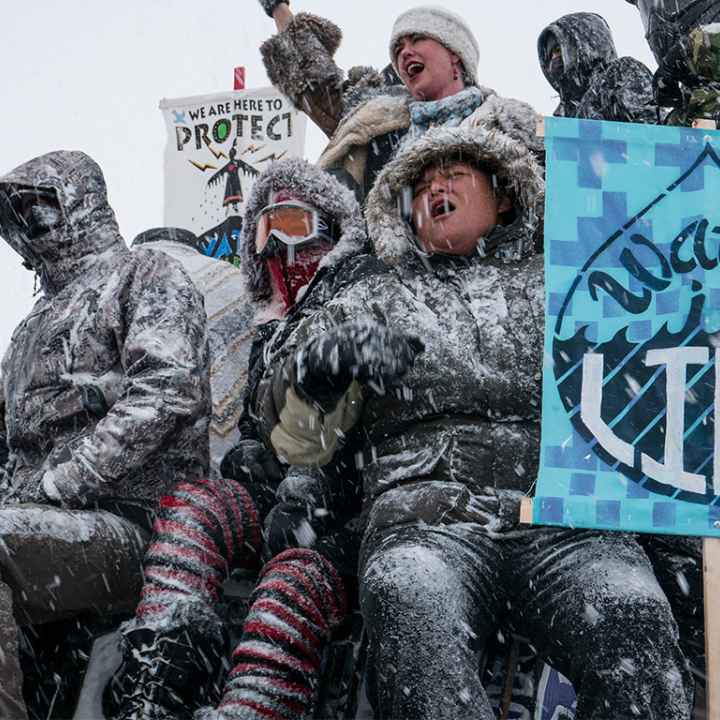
(678, 565)
(57, 564)
(589, 601)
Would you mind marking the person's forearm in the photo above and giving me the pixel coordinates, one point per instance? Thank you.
(282, 16)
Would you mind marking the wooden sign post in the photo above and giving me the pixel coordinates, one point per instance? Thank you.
(711, 583)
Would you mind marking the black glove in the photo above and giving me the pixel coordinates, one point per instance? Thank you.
(342, 549)
(252, 464)
(269, 5)
(291, 526)
(364, 351)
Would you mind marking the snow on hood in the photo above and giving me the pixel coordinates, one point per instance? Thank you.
(181, 236)
(317, 188)
(586, 42)
(90, 227)
(513, 163)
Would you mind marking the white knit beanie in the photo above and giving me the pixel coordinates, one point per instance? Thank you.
(449, 29)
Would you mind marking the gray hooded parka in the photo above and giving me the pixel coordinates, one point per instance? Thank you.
(106, 381)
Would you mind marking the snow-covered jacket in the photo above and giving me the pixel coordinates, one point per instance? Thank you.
(467, 415)
(230, 328)
(106, 381)
(365, 118)
(322, 191)
(595, 84)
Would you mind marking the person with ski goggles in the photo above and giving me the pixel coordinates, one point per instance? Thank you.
(300, 226)
(578, 57)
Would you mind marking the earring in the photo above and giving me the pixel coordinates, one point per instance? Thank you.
(455, 73)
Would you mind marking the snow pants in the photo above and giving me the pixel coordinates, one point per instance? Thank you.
(57, 564)
(588, 601)
(678, 565)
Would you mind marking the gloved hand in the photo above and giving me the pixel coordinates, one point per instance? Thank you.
(269, 5)
(251, 461)
(291, 526)
(61, 485)
(364, 351)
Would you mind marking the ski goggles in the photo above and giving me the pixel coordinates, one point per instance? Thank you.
(292, 224)
(18, 207)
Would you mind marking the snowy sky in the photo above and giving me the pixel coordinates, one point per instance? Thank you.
(88, 75)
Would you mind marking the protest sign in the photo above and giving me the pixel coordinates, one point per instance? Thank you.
(217, 146)
(631, 376)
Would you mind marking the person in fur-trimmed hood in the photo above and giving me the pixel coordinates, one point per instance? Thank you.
(107, 400)
(578, 58)
(300, 224)
(435, 354)
(432, 50)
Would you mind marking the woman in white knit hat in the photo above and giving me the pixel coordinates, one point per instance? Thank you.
(433, 53)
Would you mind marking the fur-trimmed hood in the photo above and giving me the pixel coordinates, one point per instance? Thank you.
(513, 163)
(586, 44)
(317, 188)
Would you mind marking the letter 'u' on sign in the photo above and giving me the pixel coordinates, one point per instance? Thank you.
(676, 361)
(590, 410)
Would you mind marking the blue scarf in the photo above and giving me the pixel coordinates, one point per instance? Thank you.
(449, 111)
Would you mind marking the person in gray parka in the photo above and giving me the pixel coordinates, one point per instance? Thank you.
(435, 353)
(107, 403)
(578, 58)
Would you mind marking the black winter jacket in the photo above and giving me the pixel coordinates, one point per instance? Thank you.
(593, 83)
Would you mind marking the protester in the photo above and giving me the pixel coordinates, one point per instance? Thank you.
(683, 36)
(434, 52)
(578, 58)
(298, 219)
(230, 333)
(451, 444)
(107, 396)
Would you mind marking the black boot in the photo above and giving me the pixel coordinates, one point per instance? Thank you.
(165, 675)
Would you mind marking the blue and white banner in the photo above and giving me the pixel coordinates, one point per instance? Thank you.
(632, 349)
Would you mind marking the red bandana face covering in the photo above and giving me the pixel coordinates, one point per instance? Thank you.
(288, 278)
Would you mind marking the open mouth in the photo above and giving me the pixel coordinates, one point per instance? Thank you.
(414, 68)
(441, 208)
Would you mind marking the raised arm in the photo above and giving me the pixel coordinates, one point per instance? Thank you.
(299, 62)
